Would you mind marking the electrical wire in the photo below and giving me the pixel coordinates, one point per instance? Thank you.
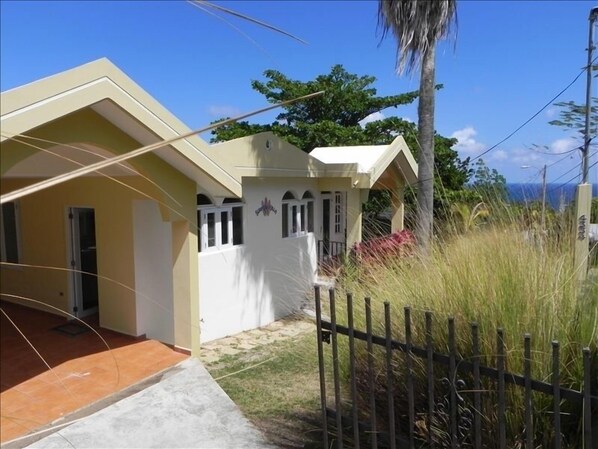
(537, 113)
(573, 178)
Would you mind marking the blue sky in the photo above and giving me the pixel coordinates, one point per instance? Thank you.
(510, 58)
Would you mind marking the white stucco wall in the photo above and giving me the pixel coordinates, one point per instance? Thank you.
(153, 272)
(267, 277)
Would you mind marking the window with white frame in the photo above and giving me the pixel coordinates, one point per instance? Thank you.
(308, 217)
(297, 215)
(220, 227)
(9, 233)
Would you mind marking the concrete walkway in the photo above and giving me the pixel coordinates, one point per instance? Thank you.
(289, 327)
(186, 408)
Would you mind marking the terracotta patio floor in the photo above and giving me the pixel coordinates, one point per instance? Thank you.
(83, 369)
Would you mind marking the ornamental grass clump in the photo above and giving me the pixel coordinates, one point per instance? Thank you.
(496, 277)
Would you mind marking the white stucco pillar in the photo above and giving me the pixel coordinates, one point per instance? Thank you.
(397, 198)
(354, 226)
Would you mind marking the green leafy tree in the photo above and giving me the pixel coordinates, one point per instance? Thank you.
(329, 119)
(572, 117)
(417, 26)
(489, 183)
(333, 119)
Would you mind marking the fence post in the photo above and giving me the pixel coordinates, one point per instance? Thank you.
(336, 372)
(410, 392)
(527, 372)
(556, 394)
(477, 387)
(430, 375)
(452, 381)
(370, 347)
(352, 368)
(500, 365)
(587, 402)
(389, 389)
(321, 368)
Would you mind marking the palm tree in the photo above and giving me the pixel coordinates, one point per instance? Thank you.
(417, 25)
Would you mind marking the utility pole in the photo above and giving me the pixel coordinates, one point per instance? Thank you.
(543, 170)
(583, 198)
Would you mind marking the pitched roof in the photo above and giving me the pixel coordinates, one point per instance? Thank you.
(372, 160)
(106, 89)
(266, 154)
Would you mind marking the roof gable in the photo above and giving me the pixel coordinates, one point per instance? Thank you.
(103, 87)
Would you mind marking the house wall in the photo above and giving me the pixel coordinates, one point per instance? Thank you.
(118, 216)
(153, 272)
(267, 277)
(44, 245)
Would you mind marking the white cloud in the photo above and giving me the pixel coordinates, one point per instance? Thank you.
(499, 155)
(373, 117)
(522, 156)
(223, 111)
(466, 142)
(551, 112)
(563, 145)
(407, 119)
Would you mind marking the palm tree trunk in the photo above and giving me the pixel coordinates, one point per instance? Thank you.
(425, 191)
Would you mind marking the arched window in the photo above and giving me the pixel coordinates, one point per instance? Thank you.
(203, 200)
(307, 212)
(297, 215)
(289, 213)
(220, 227)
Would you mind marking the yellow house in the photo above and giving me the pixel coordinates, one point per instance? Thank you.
(189, 239)
(134, 224)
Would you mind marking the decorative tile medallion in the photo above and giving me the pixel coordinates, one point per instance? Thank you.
(266, 208)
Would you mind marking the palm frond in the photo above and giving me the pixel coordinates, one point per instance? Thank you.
(202, 7)
(47, 183)
(248, 18)
(416, 26)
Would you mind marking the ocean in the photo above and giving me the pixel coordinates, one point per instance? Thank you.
(556, 194)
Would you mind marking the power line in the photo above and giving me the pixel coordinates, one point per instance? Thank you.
(550, 153)
(573, 178)
(537, 113)
(559, 160)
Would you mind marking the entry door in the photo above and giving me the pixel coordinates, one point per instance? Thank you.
(83, 261)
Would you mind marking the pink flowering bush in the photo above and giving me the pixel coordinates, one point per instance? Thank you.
(397, 244)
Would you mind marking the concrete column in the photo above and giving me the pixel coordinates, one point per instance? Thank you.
(583, 202)
(397, 197)
(354, 224)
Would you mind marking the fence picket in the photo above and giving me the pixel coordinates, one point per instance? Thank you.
(336, 373)
(354, 410)
(321, 367)
(452, 376)
(460, 420)
(430, 376)
(477, 387)
(556, 395)
(587, 403)
(527, 370)
(410, 392)
(389, 382)
(500, 365)
(371, 379)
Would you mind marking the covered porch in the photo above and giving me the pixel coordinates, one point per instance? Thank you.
(84, 369)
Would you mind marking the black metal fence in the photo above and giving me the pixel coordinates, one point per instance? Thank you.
(454, 418)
